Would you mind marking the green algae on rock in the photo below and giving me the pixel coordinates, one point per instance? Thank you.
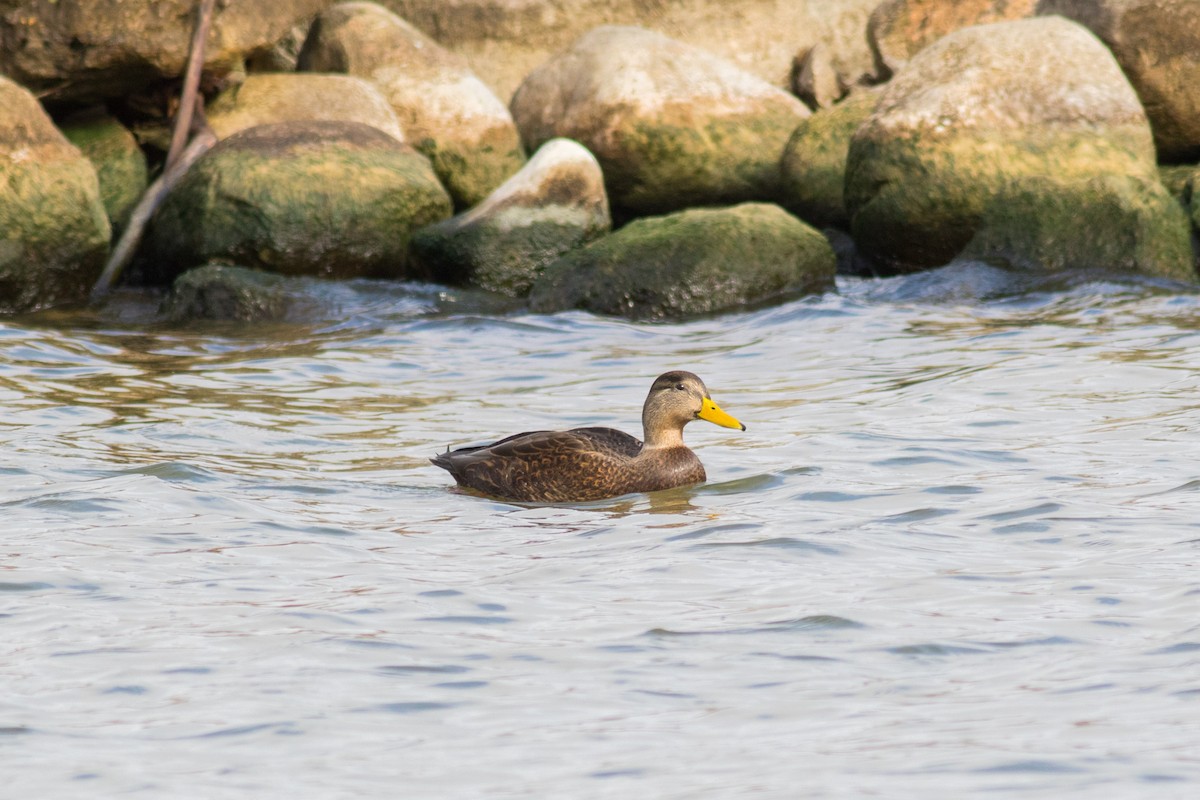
(813, 167)
(120, 164)
(330, 199)
(225, 292)
(980, 112)
(54, 234)
(554, 204)
(693, 262)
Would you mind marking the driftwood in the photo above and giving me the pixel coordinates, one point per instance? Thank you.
(179, 157)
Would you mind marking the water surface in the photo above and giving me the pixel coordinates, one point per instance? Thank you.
(954, 554)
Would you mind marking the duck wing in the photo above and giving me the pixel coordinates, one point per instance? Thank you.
(546, 466)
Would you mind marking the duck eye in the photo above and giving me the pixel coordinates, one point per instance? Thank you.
(679, 387)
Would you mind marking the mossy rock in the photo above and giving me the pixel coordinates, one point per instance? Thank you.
(1111, 222)
(120, 164)
(54, 234)
(813, 167)
(228, 293)
(553, 205)
(689, 263)
(330, 199)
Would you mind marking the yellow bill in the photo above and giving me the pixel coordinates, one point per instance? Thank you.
(711, 412)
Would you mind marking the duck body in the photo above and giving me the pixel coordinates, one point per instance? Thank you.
(585, 464)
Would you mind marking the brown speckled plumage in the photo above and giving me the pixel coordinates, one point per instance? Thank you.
(595, 463)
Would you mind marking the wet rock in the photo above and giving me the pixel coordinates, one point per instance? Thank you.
(985, 110)
(899, 29)
(222, 292)
(120, 164)
(87, 51)
(553, 205)
(692, 262)
(1106, 223)
(1157, 43)
(672, 125)
(814, 161)
(446, 112)
(329, 199)
(505, 40)
(53, 231)
(270, 98)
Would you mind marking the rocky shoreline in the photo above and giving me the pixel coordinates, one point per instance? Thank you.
(633, 172)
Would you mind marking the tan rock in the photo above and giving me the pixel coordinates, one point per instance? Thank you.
(447, 112)
(672, 126)
(110, 48)
(281, 97)
(1157, 44)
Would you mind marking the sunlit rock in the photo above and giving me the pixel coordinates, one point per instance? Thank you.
(331, 199)
(692, 262)
(899, 29)
(553, 205)
(672, 126)
(283, 97)
(995, 114)
(446, 112)
(53, 231)
(1157, 43)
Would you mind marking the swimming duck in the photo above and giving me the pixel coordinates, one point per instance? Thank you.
(584, 464)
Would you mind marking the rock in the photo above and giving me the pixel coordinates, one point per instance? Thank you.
(672, 126)
(982, 111)
(899, 29)
(1105, 223)
(692, 262)
(504, 40)
(53, 231)
(814, 161)
(1157, 43)
(85, 52)
(221, 292)
(120, 164)
(328, 199)
(267, 98)
(446, 112)
(815, 79)
(553, 205)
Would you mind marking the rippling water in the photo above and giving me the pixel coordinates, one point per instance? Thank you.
(955, 553)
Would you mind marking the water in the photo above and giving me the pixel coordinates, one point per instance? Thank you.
(955, 554)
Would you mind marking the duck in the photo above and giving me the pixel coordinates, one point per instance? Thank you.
(585, 464)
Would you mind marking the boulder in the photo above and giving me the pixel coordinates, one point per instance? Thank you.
(227, 293)
(899, 29)
(692, 262)
(1157, 43)
(1103, 223)
(504, 40)
(553, 205)
(328, 199)
(53, 231)
(88, 51)
(270, 98)
(813, 166)
(672, 125)
(120, 164)
(446, 112)
(979, 113)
